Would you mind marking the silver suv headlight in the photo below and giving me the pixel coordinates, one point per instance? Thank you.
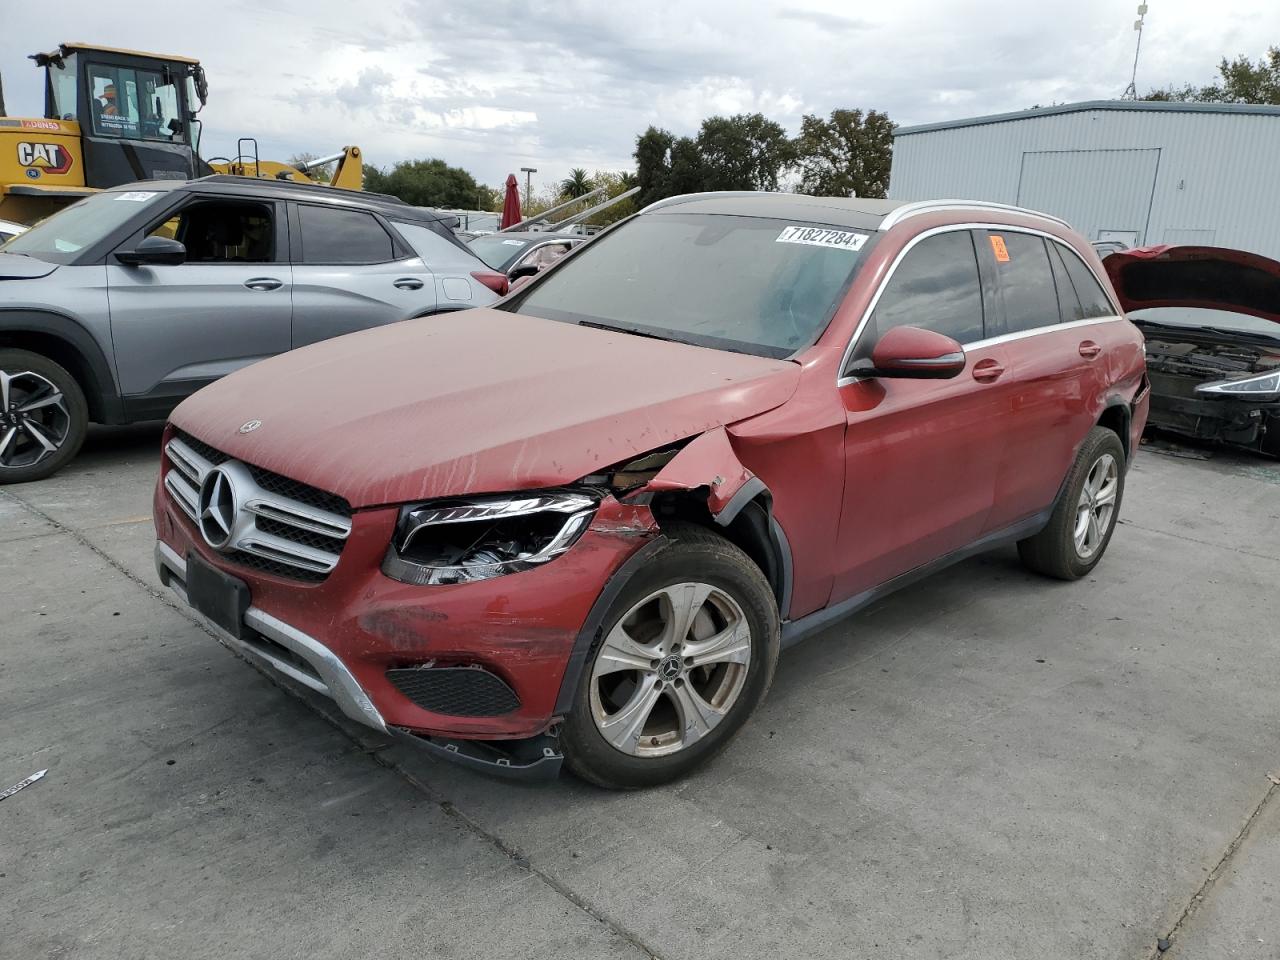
(1255, 387)
(478, 538)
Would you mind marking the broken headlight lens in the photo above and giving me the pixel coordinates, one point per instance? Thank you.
(1255, 387)
(478, 538)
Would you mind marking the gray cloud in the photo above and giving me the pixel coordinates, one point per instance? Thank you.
(513, 83)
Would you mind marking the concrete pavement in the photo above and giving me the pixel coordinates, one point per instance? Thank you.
(985, 765)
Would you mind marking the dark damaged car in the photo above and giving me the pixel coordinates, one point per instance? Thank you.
(581, 526)
(1211, 318)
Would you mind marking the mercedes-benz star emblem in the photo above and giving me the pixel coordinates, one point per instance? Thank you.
(217, 508)
(669, 669)
(250, 426)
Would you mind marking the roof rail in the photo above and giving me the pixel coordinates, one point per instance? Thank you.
(920, 207)
(702, 195)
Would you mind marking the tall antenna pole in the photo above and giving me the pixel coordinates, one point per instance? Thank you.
(1131, 91)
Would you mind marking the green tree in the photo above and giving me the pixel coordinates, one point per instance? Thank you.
(576, 184)
(846, 155)
(743, 152)
(614, 184)
(1241, 81)
(426, 183)
(687, 173)
(653, 164)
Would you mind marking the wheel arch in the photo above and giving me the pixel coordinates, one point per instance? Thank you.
(70, 345)
(1116, 416)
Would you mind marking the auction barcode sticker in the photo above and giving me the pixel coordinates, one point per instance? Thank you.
(823, 237)
(136, 196)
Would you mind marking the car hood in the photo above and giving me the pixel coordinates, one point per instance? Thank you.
(473, 402)
(1213, 278)
(14, 267)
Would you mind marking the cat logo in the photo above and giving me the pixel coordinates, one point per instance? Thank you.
(48, 157)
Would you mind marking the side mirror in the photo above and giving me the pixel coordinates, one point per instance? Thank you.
(527, 270)
(913, 353)
(154, 251)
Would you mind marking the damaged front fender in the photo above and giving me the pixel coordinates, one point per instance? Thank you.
(709, 462)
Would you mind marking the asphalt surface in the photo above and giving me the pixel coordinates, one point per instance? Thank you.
(986, 765)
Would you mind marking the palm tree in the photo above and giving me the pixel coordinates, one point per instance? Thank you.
(576, 184)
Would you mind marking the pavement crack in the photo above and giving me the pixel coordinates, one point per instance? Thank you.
(514, 854)
(1211, 880)
(1203, 543)
(87, 544)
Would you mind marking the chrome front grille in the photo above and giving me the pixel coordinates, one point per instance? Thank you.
(263, 521)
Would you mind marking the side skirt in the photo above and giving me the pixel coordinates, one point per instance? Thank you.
(793, 631)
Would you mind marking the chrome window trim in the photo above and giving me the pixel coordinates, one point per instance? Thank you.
(921, 207)
(843, 381)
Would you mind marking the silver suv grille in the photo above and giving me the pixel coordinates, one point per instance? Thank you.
(277, 525)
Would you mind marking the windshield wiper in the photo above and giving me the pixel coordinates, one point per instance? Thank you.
(634, 331)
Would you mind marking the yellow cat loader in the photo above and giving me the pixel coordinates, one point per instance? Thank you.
(117, 116)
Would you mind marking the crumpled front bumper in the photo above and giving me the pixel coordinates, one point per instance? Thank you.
(340, 637)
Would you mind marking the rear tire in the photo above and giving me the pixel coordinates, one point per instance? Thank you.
(684, 656)
(43, 417)
(1084, 518)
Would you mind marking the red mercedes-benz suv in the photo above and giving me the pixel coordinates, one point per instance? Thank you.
(581, 525)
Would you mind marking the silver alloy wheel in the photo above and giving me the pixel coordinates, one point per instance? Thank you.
(670, 670)
(1097, 505)
(34, 421)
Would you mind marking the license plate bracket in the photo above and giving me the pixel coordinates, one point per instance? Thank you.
(221, 598)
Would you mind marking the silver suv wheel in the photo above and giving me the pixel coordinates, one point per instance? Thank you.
(1097, 505)
(670, 670)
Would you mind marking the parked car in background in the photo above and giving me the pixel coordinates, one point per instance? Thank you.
(1211, 318)
(523, 252)
(581, 525)
(9, 230)
(117, 308)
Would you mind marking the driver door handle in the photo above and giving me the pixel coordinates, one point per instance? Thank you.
(408, 283)
(263, 283)
(987, 371)
(1089, 349)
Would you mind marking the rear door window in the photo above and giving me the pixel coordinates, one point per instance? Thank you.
(1025, 280)
(935, 287)
(333, 235)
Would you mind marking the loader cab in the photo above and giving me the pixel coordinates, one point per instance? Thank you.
(136, 111)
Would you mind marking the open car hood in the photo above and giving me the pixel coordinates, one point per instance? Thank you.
(1212, 278)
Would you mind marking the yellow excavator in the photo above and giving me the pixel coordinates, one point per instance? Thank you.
(116, 116)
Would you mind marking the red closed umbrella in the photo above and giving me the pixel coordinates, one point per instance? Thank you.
(510, 204)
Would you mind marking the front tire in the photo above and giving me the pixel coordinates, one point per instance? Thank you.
(684, 656)
(43, 417)
(1081, 524)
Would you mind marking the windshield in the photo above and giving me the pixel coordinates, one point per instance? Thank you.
(60, 237)
(749, 284)
(1202, 317)
(497, 251)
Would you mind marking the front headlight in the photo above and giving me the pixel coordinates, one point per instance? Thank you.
(1254, 388)
(478, 538)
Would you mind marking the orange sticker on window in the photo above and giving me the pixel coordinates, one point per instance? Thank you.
(999, 249)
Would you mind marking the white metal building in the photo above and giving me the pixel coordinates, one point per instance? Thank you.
(1138, 172)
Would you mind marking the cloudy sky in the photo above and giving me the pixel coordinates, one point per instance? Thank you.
(499, 85)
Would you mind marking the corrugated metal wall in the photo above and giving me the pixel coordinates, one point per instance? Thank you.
(1168, 177)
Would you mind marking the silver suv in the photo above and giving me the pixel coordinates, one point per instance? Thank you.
(117, 308)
